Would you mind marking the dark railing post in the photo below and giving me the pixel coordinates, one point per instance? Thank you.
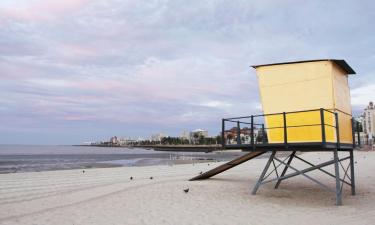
(353, 132)
(358, 134)
(263, 134)
(238, 133)
(337, 130)
(322, 122)
(252, 131)
(285, 130)
(223, 133)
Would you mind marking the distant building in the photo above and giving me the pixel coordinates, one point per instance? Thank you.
(196, 135)
(140, 139)
(185, 135)
(114, 140)
(245, 135)
(368, 122)
(126, 141)
(158, 137)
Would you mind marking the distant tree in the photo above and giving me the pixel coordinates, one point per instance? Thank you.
(218, 139)
(358, 127)
(163, 140)
(195, 137)
(201, 140)
(229, 137)
(262, 137)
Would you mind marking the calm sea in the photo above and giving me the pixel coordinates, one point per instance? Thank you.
(32, 158)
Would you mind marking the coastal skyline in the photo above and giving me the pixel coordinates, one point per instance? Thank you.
(78, 70)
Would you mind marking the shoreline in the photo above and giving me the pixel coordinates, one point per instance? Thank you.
(20, 160)
(182, 148)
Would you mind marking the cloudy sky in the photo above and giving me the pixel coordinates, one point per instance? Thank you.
(80, 70)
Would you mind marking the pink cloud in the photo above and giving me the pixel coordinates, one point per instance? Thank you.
(74, 52)
(40, 10)
(80, 118)
(104, 85)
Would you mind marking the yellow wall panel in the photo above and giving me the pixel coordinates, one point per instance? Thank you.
(302, 86)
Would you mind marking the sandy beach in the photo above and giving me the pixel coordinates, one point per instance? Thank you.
(109, 196)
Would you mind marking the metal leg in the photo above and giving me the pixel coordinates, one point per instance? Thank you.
(263, 173)
(285, 168)
(337, 174)
(352, 180)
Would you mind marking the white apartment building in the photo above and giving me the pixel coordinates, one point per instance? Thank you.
(368, 122)
(198, 133)
(158, 137)
(185, 135)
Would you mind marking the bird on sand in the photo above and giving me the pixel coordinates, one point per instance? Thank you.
(151, 178)
(186, 190)
(131, 178)
(83, 171)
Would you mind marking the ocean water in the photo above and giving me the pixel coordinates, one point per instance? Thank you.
(33, 158)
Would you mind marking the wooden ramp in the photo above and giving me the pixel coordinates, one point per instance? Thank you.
(228, 165)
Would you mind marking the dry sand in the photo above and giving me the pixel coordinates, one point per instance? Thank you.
(107, 196)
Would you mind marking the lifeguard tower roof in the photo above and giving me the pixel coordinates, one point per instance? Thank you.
(339, 62)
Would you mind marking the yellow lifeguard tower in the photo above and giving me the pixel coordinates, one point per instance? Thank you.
(301, 89)
(306, 107)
